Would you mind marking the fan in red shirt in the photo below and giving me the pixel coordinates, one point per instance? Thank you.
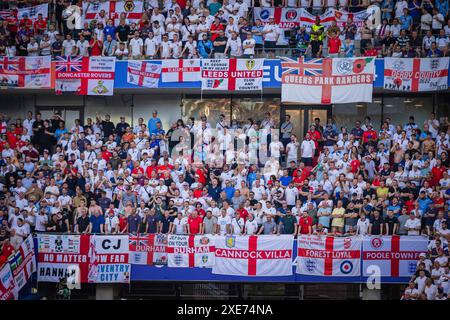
(355, 163)
(40, 25)
(369, 135)
(151, 168)
(243, 213)
(215, 28)
(13, 23)
(96, 46)
(194, 223)
(12, 139)
(198, 192)
(436, 173)
(106, 155)
(137, 169)
(315, 135)
(305, 223)
(334, 44)
(26, 22)
(370, 51)
(200, 211)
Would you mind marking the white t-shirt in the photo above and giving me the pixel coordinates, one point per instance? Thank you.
(68, 47)
(247, 42)
(308, 148)
(165, 49)
(436, 24)
(223, 222)
(150, 46)
(179, 225)
(273, 34)
(412, 224)
(136, 45)
(237, 225)
(176, 49)
(41, 221)
(251, 227)
(83, 47)
(291, 195)
(111, 223)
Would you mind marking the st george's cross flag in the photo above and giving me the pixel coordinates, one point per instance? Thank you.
(329, 256)
(327, 81)
(132, 9)
(188, 251)
(180, 70)
(25, 72)
(414, 75)
(395, 256)
(23, 263)
(8, 290)
(144, 73)
(148, 249)
(232, 74)
(261, 256)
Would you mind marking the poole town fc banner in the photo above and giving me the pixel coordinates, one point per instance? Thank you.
(232, 74)
(191, 251)
(25, 72)
(144, 73)
(327, 81)
(254, 255)
(329, 256)
(85, 75)
(148, 249)
(414, 75)
(395, 256)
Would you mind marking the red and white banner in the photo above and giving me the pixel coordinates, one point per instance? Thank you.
(329, 256)
(57, 252)
(85, 75)
(181, 70)
(358, 18)
(148, 249)
(25, 72)
(191, 251)
(285, 18)
(8, 290)
(327, 81)
(108, 256)
(23, 263)
(308, 20)
(144, 73)
(33, 12)
(394, 256)
(113, 9)
(414, 75)
(260, 256)
(232, 74)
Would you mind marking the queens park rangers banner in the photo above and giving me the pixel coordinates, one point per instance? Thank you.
(327, 81)
(23, 263)
(85, 75)
(58, 252)
(25, 72)
(232, 74)
(181, 70)
(113, 9)
(414, 75)
(8, 290)
(191, 251)
(144, 73)
(148, 249)
(329, 256)
(254, 255)
(393, 256)
(108, 259)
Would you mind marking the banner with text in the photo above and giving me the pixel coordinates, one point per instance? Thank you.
(191, 251)
(23, 263)
(25, 72)
(8, 290)
(144, 73)
(148, 249)
(96, 10)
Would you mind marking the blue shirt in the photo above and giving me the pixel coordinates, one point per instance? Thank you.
(406, 21)
(152, 125)
(202, 45)
(285, 180)
(111, 30)
(258, 38)
(59, 133)
(424, 204)
(96, 222)
(229, 191)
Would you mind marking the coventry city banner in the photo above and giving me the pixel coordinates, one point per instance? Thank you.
(327, 81)
(328, 256)
(414, 75)
(148, 249)
(85, 75)
(232, 74)
(191, 251)
(25, 72)
(254, 255)
(394, 256)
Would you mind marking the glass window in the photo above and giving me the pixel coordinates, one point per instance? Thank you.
(399, 109)
(211, 108)
(443, 109)
(246, 108)
(345, 115)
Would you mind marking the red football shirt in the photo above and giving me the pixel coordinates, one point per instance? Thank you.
(334, 45)
(194, 224)
(304, 223)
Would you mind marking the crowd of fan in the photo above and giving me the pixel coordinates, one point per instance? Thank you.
(217, 29)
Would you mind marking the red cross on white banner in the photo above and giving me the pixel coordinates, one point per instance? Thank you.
(147, 244)
(191, 250)
(415, 75)
(183, 66)
(142, 73)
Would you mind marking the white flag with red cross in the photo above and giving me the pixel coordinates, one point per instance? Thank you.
(260, 256)
(113, 9)
(329, 256)
(180, 70)
(327, 81)
(232, 74)
(395, 256)
(148, 249)
(414, 75)
(144, 73)
(191, 251)
(25, 72)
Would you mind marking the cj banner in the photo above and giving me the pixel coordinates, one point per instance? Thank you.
(327, 81)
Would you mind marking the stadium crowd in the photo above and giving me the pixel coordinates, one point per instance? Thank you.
(217, 29)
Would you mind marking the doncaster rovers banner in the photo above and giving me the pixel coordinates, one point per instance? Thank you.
(113, 9)
(329, 256)
(85, 75)
(56, 252)
(108, 257)
(23, 263)
(327, 81)
(25, 72)
(191, 251)
(414, 75)
(8, 290)
(180, 70)
(144, 73)
(148, 249)
(254, 255)
(395, 256)
(232, 74)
